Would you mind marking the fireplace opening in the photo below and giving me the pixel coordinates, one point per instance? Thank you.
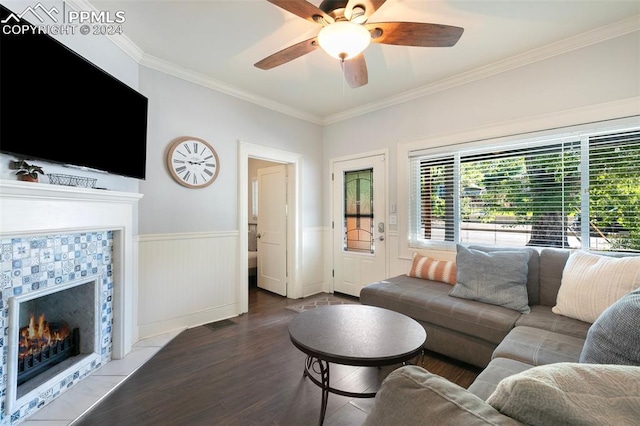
(43, 345)
(53, 329)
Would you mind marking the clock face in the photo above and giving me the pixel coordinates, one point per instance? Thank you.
(193, 162)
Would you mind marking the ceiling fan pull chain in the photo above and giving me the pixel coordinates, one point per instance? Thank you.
(344, 81)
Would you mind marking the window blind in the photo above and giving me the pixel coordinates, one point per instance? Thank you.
(530, 193)
(614, 192)
(433, 187)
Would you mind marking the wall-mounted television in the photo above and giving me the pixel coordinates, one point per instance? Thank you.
(56, 106)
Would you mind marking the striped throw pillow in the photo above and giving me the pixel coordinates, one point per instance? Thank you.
(431, 269)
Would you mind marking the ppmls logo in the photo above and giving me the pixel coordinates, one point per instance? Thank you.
(33, 11)
(51, 21)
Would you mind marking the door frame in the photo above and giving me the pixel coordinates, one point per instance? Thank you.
(294, 222)
(385, 173)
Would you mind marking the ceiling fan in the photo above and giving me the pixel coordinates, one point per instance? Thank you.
(346, 32)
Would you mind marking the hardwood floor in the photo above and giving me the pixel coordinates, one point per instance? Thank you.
(243, 371)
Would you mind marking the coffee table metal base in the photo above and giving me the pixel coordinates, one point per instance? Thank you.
(321, 368)
(353, 335)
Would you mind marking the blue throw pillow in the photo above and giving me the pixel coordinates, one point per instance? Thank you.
(614, 337)
(498, 278)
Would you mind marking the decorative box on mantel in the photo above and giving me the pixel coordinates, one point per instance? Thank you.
(79, 240)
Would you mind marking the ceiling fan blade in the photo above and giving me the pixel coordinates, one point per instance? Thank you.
(369, 6)
(414, 34)
(304, 9)
(355, 71)
(288, 54)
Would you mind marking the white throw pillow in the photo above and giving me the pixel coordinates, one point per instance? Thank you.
(571, 394)
(591, 283)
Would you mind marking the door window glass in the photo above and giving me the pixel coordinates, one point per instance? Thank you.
(358, 211)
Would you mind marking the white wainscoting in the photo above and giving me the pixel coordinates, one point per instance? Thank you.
(327, 233)
(190, 279)
(314, 270)
(397, 265)
(186, 280)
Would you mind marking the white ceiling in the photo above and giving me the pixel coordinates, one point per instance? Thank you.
(217, 42)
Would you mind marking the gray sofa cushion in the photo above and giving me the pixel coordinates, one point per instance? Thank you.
(533, 268)
(538, 347)
(498, 278)
(542, 317)
(412, 396)
(456, 345)
(498, 369)
(429, 301)
(614, 338)
(552, 263)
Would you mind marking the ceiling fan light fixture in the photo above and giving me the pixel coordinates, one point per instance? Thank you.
(344, 39)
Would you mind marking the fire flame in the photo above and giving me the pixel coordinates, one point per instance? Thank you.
(39, 335)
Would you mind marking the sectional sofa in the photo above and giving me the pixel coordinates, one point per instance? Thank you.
(539, 325)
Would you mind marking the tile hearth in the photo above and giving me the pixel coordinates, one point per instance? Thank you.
(77, 400)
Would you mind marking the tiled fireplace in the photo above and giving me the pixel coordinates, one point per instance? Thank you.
(67, 277)
(67, 267)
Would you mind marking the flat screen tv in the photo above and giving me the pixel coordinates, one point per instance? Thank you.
(56, 106)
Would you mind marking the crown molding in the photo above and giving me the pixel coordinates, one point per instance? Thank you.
(589, 38)
(170, 68)
(127, 46)
(598, 35)
(122, 41)
(149, 61)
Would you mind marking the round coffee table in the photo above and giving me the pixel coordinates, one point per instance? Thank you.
(357, 335)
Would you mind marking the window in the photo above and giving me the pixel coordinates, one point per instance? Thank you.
(358, 211)
(614, 191)
(534, 192)
(254, 198)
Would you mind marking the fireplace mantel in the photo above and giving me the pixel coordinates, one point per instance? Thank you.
(29, 190)
(28, 208)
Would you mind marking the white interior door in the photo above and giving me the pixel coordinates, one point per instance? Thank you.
(359, 228)
(272, 229)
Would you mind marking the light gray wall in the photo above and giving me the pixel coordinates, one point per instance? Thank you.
(598, 74)
(180, 108)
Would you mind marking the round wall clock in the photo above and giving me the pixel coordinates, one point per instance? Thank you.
(193, 162)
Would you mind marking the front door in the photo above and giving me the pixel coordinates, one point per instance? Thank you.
(359, 228)
(272, 229)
